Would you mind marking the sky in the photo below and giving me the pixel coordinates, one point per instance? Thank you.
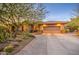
(60, 11)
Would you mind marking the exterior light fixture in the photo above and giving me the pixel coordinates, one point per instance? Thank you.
(44, 25)
(58, 25)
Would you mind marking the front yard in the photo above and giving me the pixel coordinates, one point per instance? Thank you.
(14, 45)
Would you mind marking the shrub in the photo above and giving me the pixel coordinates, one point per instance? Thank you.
(64, 31)
(2, 39)
(3, 33)
(29, 35)
(9, 48)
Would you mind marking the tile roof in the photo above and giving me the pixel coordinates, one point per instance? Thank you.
(49, 22)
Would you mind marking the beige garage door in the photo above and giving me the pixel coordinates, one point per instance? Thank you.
(52, 28)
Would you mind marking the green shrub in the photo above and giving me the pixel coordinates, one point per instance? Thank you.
(2, 39)
(3, 34)
(9, 48)
(29, 35)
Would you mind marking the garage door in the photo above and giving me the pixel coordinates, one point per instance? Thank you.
(52, 28)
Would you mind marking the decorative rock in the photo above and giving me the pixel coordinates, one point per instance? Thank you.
(15, 43)
(19, 40)
(3, 53)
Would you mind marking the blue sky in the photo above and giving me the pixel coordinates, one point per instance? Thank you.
(60, 11)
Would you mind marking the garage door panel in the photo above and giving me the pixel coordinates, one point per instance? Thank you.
(52, 28)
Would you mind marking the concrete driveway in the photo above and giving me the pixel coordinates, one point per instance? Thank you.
(52, 44)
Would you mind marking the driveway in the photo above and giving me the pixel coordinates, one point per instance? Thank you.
(52, 44)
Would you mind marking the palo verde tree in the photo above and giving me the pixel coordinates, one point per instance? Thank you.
(74, 23)
(12, 14)
(37, 14)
